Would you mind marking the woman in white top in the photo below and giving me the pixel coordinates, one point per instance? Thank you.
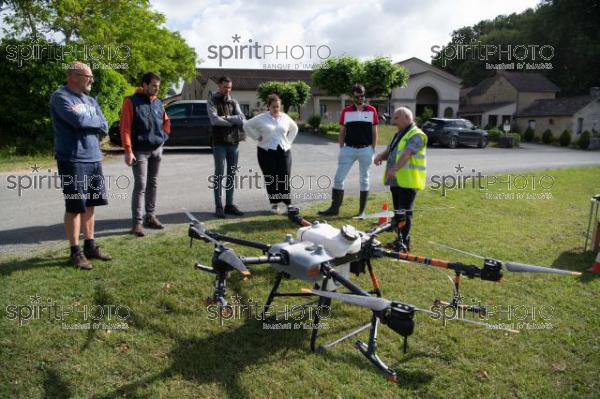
(275, 131)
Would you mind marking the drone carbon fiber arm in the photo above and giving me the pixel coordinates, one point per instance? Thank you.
(208, 235)
(491, 270)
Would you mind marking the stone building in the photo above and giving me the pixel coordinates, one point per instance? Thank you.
(496, 100)
(427, 86)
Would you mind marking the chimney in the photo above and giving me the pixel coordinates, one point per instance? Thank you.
(595, 91)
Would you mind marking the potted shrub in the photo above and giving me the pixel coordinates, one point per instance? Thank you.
(528, 135)
(547, 137)
(565, 138)
(507, 140)
(494, 134)
(314, 121)
(584, 140)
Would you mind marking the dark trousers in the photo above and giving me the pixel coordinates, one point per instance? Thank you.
(403, 198)
(276, 166)
(145, 176)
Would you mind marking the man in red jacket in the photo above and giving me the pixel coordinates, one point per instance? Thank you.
(145, 127)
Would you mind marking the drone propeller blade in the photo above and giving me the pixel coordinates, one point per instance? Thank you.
(525, 268)
(383, 214)
(478, 323)
(390, 214)
(230, 257)
(200, 230)
(374, 303)
(190, 216)
(515, 266)
(460, 251)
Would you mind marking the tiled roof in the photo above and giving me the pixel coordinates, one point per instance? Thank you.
(529, 81)
(557, 106)
(482, 87)
(249, 79)
(481, 108)
(522, 81)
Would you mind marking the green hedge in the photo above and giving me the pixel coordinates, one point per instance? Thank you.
(331, 127)
(494, 134)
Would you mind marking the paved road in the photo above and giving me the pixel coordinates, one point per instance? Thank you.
(35, 217)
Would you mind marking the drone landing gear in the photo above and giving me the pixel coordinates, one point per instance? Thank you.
(455, 304)
(275, 293)
(376, 291)
(370, 351)
(218, 297)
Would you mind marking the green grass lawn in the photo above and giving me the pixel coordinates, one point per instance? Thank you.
(172, 349)
(10, 162)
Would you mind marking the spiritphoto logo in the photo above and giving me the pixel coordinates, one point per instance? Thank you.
(274, 56)
(518, 186)
(99, 56)
(253, 179)
(528, 56)
(276, 317)
(54, 181)
(106, 316)
(509, 316)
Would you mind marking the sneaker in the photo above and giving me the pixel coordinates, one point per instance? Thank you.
(152, 222)
(96, 253)
(219, 212)
(233, 210)
(79, 260)
(281, 209)
(137, 230)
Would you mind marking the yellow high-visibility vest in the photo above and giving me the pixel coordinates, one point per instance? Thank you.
(414, 172)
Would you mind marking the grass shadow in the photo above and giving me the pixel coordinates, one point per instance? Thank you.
(55, 386)
(577, 261)
(33, 263)
(216, 359)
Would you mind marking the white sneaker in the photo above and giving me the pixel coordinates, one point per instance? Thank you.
(281, 209)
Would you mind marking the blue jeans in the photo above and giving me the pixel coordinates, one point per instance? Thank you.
(347, 157)
(222, 154)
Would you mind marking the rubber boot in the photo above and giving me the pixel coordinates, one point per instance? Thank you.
(364, 196)
(337, 196)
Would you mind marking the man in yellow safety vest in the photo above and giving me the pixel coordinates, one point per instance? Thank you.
(406, 167)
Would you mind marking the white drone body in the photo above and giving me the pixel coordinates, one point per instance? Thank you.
(315, 244)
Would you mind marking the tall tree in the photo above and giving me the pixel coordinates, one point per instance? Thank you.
(292, 94)
(337, 75)
(571, 27)
(132, 25)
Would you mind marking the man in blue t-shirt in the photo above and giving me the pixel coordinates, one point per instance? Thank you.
(78, 122)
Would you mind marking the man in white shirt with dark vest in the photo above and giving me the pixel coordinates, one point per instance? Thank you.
(358, 139)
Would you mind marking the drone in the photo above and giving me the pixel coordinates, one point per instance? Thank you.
(326, 257)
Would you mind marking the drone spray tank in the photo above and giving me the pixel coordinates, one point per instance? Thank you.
(316, 244)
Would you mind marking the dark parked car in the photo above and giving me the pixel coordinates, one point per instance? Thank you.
(454, 132)
(190, 125)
